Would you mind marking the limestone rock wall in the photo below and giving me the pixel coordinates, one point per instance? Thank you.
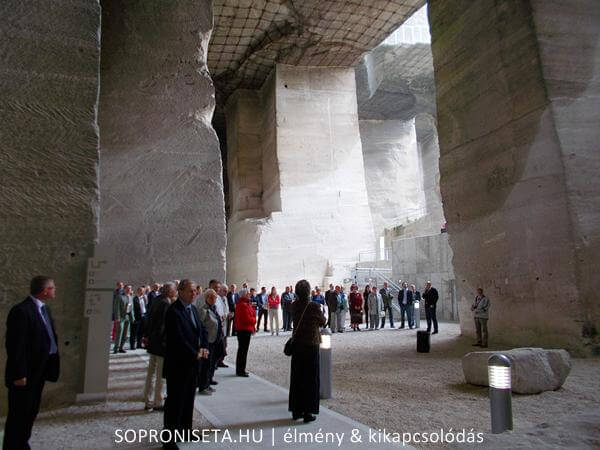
(503, 180)
(429, 151)
(314, 165)
(49, 158)
(418, 260)
(244, 117)
(393, 172)
(161, 172)
(569, 45)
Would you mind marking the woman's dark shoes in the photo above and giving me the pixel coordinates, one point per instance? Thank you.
(243, 374)
(296, 416)
(309, 418)
(213, 382)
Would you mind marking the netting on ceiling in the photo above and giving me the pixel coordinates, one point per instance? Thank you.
(250, 36)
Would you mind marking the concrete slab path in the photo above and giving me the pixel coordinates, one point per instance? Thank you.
(252, 413)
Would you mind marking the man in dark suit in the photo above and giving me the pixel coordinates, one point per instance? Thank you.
(154, 293)
(187, 343)
(137, 319)
(431, 297)
(32, 359)
(232, 298)
(405, 300)
(331, 301)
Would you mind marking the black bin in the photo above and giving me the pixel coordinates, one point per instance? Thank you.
(423, 341)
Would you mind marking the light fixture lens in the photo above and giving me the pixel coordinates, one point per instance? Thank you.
(499, 377)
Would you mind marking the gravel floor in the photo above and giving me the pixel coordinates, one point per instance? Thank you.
(93, 426)
(379, 379)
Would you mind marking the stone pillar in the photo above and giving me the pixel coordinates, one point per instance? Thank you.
(568, 36)
(314, 217)
(393, 172)
(429, 157)
(49, 156)
(516, 98)
(161, 173)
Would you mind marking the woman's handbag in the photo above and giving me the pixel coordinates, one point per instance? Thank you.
(288, 348)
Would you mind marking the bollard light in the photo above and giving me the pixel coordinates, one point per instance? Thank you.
(417, 315)
(499, 374)
(326, 341)
(325, 366)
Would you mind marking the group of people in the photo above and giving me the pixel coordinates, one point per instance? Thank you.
(184, 329)
(376, 306)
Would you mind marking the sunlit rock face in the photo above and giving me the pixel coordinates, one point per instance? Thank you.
(161, 172)
(396, 107)
(313, 216)
(393, 172)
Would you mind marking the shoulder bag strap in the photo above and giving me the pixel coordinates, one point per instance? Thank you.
(298, 326)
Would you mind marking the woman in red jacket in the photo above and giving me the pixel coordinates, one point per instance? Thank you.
(356, 308)
(245, 325)
(274, 303)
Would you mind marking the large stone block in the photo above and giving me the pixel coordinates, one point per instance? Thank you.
(507, 198)
(569, 44)
(533, 370)
(49, 157)
(393, 172)
(315, 216)
(161, 174)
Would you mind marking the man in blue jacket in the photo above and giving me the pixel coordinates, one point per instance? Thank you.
(261, 308)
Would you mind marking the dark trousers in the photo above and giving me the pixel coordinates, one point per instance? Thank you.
(406, 310)
(482, 331)
(243, 338)
(287, 321)
(431, 317)
(388, 313)
(140, 331)
(133, 330)
(230, 328)
(223, 352)
(23, 407)
(366, 316)
(206, 369)
(179, 405)
(261, 313)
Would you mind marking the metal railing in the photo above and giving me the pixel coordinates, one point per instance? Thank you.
(375, 255)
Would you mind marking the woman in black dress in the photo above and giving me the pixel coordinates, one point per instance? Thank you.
(304, 381)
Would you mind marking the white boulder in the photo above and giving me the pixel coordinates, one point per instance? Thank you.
(534, 370)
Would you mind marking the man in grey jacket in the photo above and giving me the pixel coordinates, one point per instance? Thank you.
(481, 308)
(387, 297)
(122, 307)
(209, 317)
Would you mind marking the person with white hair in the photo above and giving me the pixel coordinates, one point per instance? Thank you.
(245, 325)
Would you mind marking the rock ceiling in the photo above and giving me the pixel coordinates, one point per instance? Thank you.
(250, 36)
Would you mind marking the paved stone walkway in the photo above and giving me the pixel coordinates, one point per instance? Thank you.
(252, 413)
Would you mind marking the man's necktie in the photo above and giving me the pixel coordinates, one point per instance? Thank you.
(192, 318)
(53, 347)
